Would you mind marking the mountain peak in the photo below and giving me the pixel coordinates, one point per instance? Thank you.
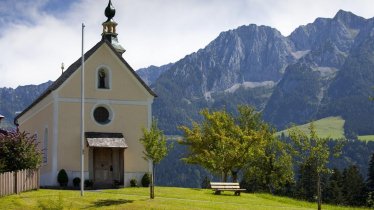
(347, 17)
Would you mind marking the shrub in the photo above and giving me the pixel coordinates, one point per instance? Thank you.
(62, 178)
(19, 150)
(88, 183)
(133, 183)
(76, 181)
(146, 180)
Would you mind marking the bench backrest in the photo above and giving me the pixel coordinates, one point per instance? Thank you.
(224, 185)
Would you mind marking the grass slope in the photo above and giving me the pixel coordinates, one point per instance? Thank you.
(138, 198)
(366, 138)
(329, 127)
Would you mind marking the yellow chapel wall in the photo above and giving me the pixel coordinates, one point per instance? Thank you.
(127, 100)
(35, 121)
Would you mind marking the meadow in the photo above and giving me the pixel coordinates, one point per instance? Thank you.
(166, 198)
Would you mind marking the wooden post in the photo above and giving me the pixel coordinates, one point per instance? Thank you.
(153, 182)
(319, 192)
(15, 182)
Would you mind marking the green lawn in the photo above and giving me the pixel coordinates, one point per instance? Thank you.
(137, 198)
(329, 127)
(366, 138)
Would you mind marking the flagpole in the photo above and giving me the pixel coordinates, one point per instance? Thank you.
(82, 115)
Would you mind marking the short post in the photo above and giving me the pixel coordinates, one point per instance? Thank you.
(15, 182)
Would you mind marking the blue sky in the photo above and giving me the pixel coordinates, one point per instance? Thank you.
(36, 36)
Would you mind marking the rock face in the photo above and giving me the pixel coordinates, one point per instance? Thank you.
(151, 73)
(325, 68)
(290, 79)
(14, 100)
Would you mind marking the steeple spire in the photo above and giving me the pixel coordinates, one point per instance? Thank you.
(109, 28)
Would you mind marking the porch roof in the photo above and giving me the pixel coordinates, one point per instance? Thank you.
(99, 139)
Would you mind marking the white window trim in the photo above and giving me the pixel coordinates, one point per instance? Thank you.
(109, 74)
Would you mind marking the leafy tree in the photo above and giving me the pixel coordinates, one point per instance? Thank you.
(19, 150)
(219, 144)
(271, 169)
(154, 142)
(313, 153)
(353, 187)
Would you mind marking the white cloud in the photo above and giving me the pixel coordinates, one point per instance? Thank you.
(154, 32)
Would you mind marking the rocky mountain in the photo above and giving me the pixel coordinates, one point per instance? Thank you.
(292, 79)
(151, 73)
(334, 77)
(15, 100)
(325, 68)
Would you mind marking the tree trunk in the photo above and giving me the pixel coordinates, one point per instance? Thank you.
(319, 200)
(234, 176)
(225, 176)
(152, 189)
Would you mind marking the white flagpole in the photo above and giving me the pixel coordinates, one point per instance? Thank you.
(82, 115)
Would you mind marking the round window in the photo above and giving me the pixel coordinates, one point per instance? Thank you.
(101, 115)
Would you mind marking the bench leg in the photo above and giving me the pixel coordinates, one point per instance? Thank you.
(217, 192)
(237, 193)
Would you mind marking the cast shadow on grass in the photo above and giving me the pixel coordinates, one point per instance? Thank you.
(110, 202)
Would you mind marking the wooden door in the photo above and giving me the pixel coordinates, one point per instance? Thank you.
(103, 166)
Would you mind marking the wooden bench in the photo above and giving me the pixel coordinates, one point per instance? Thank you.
(226, 186)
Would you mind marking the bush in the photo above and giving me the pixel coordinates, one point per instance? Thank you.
(133, 183)
(76, 181)
(88, 183)
(146, 180)
(19, 150)
(63, 178)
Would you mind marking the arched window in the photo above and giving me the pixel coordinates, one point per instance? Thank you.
(103, 78)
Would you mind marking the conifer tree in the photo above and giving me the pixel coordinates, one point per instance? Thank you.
(370, 179)
(334, 189)
(353, 187)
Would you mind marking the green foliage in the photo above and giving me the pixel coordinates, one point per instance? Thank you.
(154, 142)
(313, 153)
(226, 144)
(334, 190)
(219, 144)
(19, 150)
(76, 181)
(370, 179)
(353, 187)
(62, 178)
(133, 182)
(146, 180)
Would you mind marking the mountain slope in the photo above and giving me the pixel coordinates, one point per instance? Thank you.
(15, 100)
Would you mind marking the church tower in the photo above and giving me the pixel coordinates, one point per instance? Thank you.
(109, 29)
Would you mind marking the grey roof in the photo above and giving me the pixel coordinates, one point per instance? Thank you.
(1, 116)
(110, 140)
(73, 67)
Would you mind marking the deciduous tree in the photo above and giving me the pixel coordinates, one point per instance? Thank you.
(154, 142)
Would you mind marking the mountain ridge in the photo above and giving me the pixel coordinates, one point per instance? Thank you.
(291, 79)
